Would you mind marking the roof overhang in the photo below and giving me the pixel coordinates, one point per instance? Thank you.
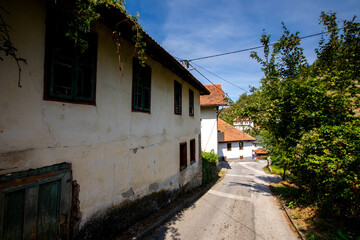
(117, 20)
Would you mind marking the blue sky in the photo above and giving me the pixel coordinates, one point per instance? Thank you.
(190, 29)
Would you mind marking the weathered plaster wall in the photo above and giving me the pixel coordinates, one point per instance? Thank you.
(116, 154)
(235, 152)
(209, 137)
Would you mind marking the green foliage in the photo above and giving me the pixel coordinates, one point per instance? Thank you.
(211, 157)
(305, 113)
(328, 167)
(209, 166)
(82, 14)
(235, 108)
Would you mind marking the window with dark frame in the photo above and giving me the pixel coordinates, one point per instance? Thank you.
(229, 146)
(192, 151)
(70, 70)
(191, 103)
(177, 97)
(241, 145)
(183, 156)
(141, 95)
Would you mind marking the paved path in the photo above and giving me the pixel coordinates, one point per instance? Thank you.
(239, 207)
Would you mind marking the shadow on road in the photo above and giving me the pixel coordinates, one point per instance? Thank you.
(224, 164)
(167, 227)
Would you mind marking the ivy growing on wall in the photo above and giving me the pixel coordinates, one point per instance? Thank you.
(83, 14)
(80, 17)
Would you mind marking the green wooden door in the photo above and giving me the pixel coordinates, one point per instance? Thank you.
(36, 204)
(14, 211)
(48, 210)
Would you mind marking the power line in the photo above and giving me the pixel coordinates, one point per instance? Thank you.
(211, 82)
(252, 48)
(220, 77)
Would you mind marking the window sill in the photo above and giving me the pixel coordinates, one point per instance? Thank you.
(140, 111)
(69, 101)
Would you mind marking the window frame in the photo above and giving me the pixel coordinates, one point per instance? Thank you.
(52, 59)
(191, 103)
(227, 146)
(183, 155)
(177, 98)
(141, 82)
(192, 151)
(241, 146)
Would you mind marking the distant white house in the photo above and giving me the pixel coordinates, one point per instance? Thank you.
(243, 123)
(209, 108)
(233, 143)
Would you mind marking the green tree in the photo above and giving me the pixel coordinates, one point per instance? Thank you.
(297, 104)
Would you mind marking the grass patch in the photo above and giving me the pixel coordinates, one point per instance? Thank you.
(276, 169)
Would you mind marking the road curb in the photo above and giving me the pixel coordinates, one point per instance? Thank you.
(287, 213)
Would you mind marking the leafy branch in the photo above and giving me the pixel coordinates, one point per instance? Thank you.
(84, 14)
(6, 46)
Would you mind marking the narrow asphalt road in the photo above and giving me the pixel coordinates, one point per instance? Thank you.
(241, 206)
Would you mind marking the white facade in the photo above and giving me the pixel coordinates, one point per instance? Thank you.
(235, 153)
(113, 150)
(209, 129)
(243, 124)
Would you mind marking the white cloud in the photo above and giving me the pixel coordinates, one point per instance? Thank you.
(196, 28)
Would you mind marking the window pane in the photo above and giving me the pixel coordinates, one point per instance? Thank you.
(147, 99)
(70, 72)
(137, 103)
(191, 103)
(192, 150)
(84, 83)
(141, 87)
(177, 97)
(229, 146)
(183, 156)
(62, 79)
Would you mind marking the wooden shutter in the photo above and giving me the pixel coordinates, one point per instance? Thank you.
(36, 204)
(192, 150)
(183, 156)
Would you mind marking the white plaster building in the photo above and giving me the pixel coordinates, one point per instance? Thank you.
(233, 143)
(209, 112)
(243, 123)
(117, 134)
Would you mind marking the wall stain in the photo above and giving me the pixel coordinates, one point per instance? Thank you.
(153, 186)
(128, 193)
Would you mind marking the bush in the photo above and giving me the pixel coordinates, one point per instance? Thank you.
(209, 166)
(328, 168)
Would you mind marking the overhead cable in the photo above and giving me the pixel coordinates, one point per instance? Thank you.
(219, 77)
(249, 49)
(211, 82)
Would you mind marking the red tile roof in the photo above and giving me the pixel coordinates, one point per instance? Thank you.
(216, 97)
(231, 134)
(260, 151)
